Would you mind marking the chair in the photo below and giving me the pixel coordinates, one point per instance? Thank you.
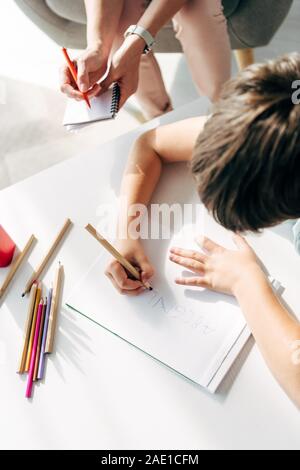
(251, 24)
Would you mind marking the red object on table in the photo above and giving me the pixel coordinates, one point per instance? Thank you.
(7, 248)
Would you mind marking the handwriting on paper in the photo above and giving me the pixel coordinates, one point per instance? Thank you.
(180, 313)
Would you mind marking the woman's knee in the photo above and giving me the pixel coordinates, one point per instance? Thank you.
(196, 11)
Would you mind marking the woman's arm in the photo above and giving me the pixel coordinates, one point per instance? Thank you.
(103, 17)
(239, 273)
(166, 144)
(126, 61)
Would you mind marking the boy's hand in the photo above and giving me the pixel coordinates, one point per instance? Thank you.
(133, 251)
(91, 66)
(218, 269)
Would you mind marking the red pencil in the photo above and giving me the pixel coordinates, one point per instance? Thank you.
(73, 71)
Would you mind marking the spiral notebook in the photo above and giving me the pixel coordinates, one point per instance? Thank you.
(103, 108)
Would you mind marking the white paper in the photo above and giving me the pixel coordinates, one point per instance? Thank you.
(79, 114)
(190, 330)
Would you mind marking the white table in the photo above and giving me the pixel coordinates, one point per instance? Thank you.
(99, 392)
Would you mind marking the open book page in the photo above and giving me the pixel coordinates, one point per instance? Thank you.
(190, 330)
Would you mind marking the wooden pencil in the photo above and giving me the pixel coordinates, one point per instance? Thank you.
(123, 261)
(33, 292)
(33, 325)
(34, 350)
(38, 351)
(44, 339)
(16, 265)
(57, 288)
(37, 274)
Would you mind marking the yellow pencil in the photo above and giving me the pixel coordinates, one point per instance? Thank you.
(37, 274)
(38, 351)
(33, 324)
(21, 369)
(16, 265)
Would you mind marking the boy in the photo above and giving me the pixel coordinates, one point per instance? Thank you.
(246, 164)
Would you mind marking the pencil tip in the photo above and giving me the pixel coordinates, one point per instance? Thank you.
(23, 295)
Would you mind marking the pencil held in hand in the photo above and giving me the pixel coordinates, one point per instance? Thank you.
(123, 261)
(73, 72)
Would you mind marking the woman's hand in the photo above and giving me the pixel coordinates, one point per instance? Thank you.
(218, 269)
(133, 251)
(125, 67)
(91, 67)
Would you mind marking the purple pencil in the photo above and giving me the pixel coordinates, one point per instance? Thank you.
(41, 368)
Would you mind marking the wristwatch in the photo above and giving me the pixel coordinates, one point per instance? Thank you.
(142, 33)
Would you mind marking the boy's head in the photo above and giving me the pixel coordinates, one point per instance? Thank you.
(247, 160)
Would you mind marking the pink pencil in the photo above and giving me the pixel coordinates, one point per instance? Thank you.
(34, 350)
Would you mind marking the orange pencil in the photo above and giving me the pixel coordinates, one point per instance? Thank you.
(73, 71)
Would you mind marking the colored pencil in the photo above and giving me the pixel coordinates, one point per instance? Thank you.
(33, 325)
(34, 351)
(16, 265)
(123, 261)
(33, 292)
(41, 369)
(37, 274)
(73, 71)
(38, 352)
(54, 309)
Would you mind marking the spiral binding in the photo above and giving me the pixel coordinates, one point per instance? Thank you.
(115, 100)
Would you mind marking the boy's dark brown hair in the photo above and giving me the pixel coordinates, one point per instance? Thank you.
(247, 160)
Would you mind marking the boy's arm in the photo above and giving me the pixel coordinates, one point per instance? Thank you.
(239, 273)
(276, 332)
(166, 144)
